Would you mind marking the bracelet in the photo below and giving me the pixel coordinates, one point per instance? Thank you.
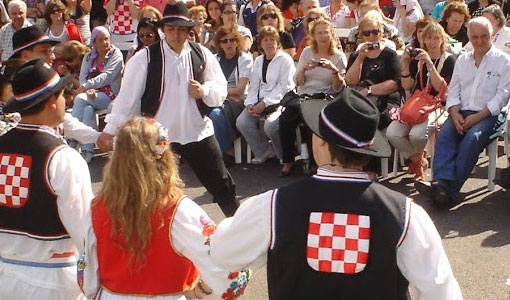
(405, 76)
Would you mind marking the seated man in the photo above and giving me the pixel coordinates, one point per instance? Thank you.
(477, 93)
(338, 235)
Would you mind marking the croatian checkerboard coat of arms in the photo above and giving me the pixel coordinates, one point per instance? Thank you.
(14, 179)
(337, 242)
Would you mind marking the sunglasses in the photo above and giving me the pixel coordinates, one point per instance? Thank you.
(146, 35)
(229, 12)
(231, 40)
(369, 32)
(311, 19)
(271, 15)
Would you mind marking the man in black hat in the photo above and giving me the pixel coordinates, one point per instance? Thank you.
(31, 43)
(175, 81)
(338, 235)
(45, 192)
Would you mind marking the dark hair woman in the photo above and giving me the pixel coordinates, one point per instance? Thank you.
(147, 33)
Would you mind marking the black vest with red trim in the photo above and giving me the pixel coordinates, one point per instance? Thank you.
(336, 239)
(27, 204)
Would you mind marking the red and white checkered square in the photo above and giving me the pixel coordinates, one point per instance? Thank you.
(14, 179)
(338, 243)
(122, 23)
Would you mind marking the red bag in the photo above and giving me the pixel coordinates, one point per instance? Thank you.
(418, 107)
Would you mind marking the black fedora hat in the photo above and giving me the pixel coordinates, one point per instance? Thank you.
(33, 83)
(177, 15)
(28, 37)
(350, 122)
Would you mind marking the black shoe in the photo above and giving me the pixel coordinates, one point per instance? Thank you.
(440, 196)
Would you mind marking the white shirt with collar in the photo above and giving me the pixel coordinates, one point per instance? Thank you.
(279, 79)
(475, 88)
(178, 110)
(69, 179)
(244, 240)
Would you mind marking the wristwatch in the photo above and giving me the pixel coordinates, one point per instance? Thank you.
(369, 90)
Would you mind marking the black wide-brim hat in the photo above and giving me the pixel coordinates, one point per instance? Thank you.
(177, 15)
(28, 37)
(349, 121)
(33, 83)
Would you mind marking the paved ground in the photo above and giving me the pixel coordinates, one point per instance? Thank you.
(475, 233)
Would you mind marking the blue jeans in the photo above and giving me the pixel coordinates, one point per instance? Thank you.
(217, 115)
(83, 110)
(456, 155)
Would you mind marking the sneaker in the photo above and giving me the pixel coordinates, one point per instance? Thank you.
(88, 156)
(261, 159)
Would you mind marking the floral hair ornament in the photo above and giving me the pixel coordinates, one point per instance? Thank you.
(161, 141)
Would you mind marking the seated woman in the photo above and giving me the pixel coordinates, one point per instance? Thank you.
(228, 20)
(420, 25)
(500, 32)
(73, 54)
(375, 69)
(435, 65)
(212, 23)
(320, 69)
(59, 27)
(198, 15)
(270, 15)
(237, 67)
(312, 15)
(144, 238)
(147, 33)
(406, 16)
(100, 78)
(272, 77)
(79, 13)
(455, 18)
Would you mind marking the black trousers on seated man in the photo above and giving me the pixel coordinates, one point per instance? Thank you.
(206, 161)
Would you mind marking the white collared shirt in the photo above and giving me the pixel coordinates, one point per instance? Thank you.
(244, 240)
(486, 86)
(499, 40)
(279, 79)
(178, 111)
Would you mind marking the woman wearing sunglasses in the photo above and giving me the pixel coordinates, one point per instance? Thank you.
(320, 69)
(147, 33)
(229, 21)
(59, 27)
(270, 15)
(237, 67)
(436, 66)
(312, 15)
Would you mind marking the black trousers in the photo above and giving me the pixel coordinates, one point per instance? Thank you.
(289, 121)
(206, 161)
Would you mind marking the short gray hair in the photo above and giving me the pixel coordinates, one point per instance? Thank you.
(480, 21)
(497, 13)
(16, 3)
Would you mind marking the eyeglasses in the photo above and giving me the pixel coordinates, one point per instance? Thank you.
(369, 32)
(146, 35)
(271, 15)
(227, 40)
(311, 19)
(229, 12)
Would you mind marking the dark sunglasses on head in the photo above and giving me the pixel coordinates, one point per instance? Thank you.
(231, 40)
(311, 19)
(146, 35)
(271, 15)
(369, 32)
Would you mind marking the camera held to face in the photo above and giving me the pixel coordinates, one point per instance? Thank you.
(413, 52)
(373, 46)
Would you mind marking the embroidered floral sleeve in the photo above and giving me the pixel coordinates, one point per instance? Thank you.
(238, 285)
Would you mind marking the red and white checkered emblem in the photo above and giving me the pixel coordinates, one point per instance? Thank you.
(14, 179)
(338, 243)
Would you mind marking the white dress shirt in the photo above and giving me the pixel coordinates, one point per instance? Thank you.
(244, 240)
(76, 130)
(474, 88)
(187, 238)
(500, 39)
(279, 79)
(178, 111)
(69, 179)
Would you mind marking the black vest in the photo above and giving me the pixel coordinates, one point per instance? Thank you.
(27, 205)
(154, 85)
(288, 271)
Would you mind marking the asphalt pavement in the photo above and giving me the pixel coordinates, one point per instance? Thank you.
(475, 233)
